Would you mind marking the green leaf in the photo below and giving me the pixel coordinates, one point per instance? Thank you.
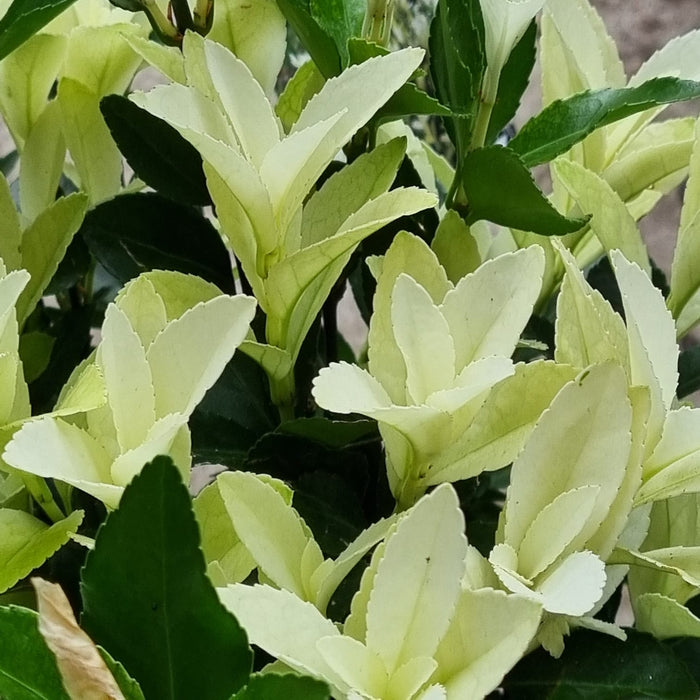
(598, 667)
(288, 686)
(129, 687)
(35, 351)
(458, 62)
(97, 159)
(28, 669)
(28, 543)
(339, 19)
(148, 601)
(567, 122)
(134, 233)
(45, 243)
(500, 188)
(156, 152)
(316, 41)
(689, 372)
(25, 18)
(233, 415)
(513, 81)
(408, 99)
(611, 222)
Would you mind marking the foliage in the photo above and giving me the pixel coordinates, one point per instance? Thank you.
(454, 508)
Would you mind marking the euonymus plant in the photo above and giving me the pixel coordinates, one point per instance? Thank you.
(493, 491)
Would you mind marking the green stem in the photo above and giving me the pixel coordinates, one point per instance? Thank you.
(282, 393)
(161, 25)
(41, 493)
(203, 16)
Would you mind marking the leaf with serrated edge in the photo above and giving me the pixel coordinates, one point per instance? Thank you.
(410, 255)
(554, 528)
(51, 447)
(44, 244)
(100, 59)
(658, 159)
(664, 617)
(362, 88)
(182, 373)
(587, 329)
(256, 34)
(423, 336)
(185, 108)
(97, 158)
(573, 586)
(272, 531)
(122, 359)
(228, 561)
(27, 542)
(284, 626)
(417, 582)
(26, 78)
(557, 459)
(610, 220)
(361, 668)
(249, 111)
(652, 340)
(347, 190)
(507, 288)
(42, 163)
(684, 299)
(490, 631)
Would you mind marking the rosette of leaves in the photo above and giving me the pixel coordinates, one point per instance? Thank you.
(291, 247)
(412, 629)
(155, 372)
(436, 351)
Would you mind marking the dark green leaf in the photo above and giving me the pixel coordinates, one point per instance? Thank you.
(156, 152)
(35, 350)
(339, 19)
(688, 649)
(8, 162)
(129, 687)
(564, 123)
(130, 5)
(602, 277)
(72, 269)
(514, 79)
(330, 508)
(233, 415)
(134, 233)
(148, 601)
(688, 372)
(72, 333)
(332, 433)
(599, 667)
(500, 188)
(316, 41)
(28, 669)
(272, 686)
(457, 63)
(24, 18)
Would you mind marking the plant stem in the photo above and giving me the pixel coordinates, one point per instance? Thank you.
(203, 16)
(41, 493)
(160, 24)
(282, 392)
